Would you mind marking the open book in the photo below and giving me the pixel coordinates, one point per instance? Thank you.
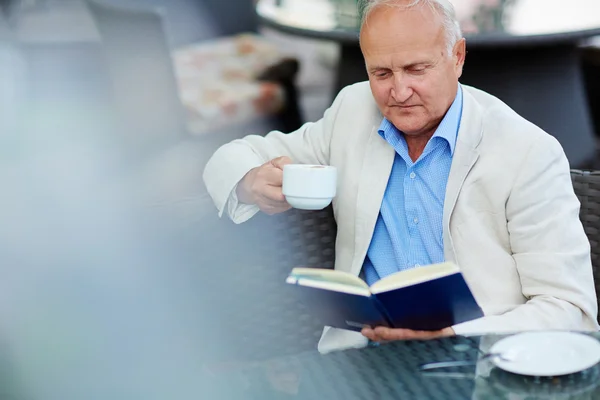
(431, 297)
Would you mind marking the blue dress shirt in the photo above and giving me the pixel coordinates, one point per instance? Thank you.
(408, 231)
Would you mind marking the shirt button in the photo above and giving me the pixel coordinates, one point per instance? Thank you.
(413, 175)
(416, 220)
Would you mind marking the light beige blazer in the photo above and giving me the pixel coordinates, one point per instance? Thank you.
(510, 214)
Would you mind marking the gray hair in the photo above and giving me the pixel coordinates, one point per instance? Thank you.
(443, 7)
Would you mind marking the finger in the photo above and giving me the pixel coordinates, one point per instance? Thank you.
(449, 331)
(273, 177)
(273, 206)
(369, 333)
(273, 195)
(272, 210)
(407, 334)
(431, 334)
(388, 334)
(375, 335)
(280, 162)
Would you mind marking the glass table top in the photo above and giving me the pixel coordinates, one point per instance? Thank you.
(492, 20)
(391, 371)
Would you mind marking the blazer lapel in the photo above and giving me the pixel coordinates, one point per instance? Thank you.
(377, 166)
(465, 157)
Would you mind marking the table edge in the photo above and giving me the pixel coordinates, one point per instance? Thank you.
(473, 41)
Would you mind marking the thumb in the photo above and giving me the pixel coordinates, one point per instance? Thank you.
(280, 162)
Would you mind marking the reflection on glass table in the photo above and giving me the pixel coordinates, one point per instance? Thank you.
(391, 371)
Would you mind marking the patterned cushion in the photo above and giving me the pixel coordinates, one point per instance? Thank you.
(217, 81)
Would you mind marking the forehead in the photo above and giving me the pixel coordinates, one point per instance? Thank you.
(416, 31)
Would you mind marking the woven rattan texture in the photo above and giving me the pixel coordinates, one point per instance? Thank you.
(387, 372)
(391, 371)
(587, 189)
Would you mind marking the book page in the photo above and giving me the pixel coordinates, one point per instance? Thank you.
(328, 276)
(330, 286)
(414, 276)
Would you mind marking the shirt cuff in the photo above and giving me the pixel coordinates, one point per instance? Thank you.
(239, 212)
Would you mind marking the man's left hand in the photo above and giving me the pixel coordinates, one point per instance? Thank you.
(383, 334)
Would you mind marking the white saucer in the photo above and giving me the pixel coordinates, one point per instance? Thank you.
(546, 353)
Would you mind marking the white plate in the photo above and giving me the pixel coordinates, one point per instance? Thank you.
(546, 353)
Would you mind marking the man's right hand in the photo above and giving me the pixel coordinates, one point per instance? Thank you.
(261, 186)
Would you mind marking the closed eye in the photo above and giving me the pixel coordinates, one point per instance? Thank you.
(381, 73)
(418, 70)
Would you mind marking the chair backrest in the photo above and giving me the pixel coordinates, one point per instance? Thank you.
(590, 60)
(587, 189)
(141, 70)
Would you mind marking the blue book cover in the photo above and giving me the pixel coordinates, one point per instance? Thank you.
(425, 298)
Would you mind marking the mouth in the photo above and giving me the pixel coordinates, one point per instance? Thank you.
(403, 107)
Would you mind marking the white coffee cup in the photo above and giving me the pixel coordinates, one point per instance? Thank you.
(309, 187)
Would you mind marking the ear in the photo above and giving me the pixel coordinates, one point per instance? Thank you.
(459, 53)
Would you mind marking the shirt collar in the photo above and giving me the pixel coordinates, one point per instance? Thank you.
(447, 130)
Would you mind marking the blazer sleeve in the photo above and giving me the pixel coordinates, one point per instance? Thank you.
(550, 250)
(231, 162)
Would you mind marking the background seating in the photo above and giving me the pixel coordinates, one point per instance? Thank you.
(217, 82)
(591, 72)
(176, 107)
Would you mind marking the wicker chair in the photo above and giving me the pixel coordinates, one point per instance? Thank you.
(254, 259)
(587, 189)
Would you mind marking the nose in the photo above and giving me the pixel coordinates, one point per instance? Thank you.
(401, 90)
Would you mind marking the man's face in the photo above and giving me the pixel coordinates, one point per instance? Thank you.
(412, 77)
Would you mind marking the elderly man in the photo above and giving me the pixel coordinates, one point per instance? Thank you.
(431, 170)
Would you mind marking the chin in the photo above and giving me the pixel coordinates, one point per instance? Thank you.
(406, 126)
